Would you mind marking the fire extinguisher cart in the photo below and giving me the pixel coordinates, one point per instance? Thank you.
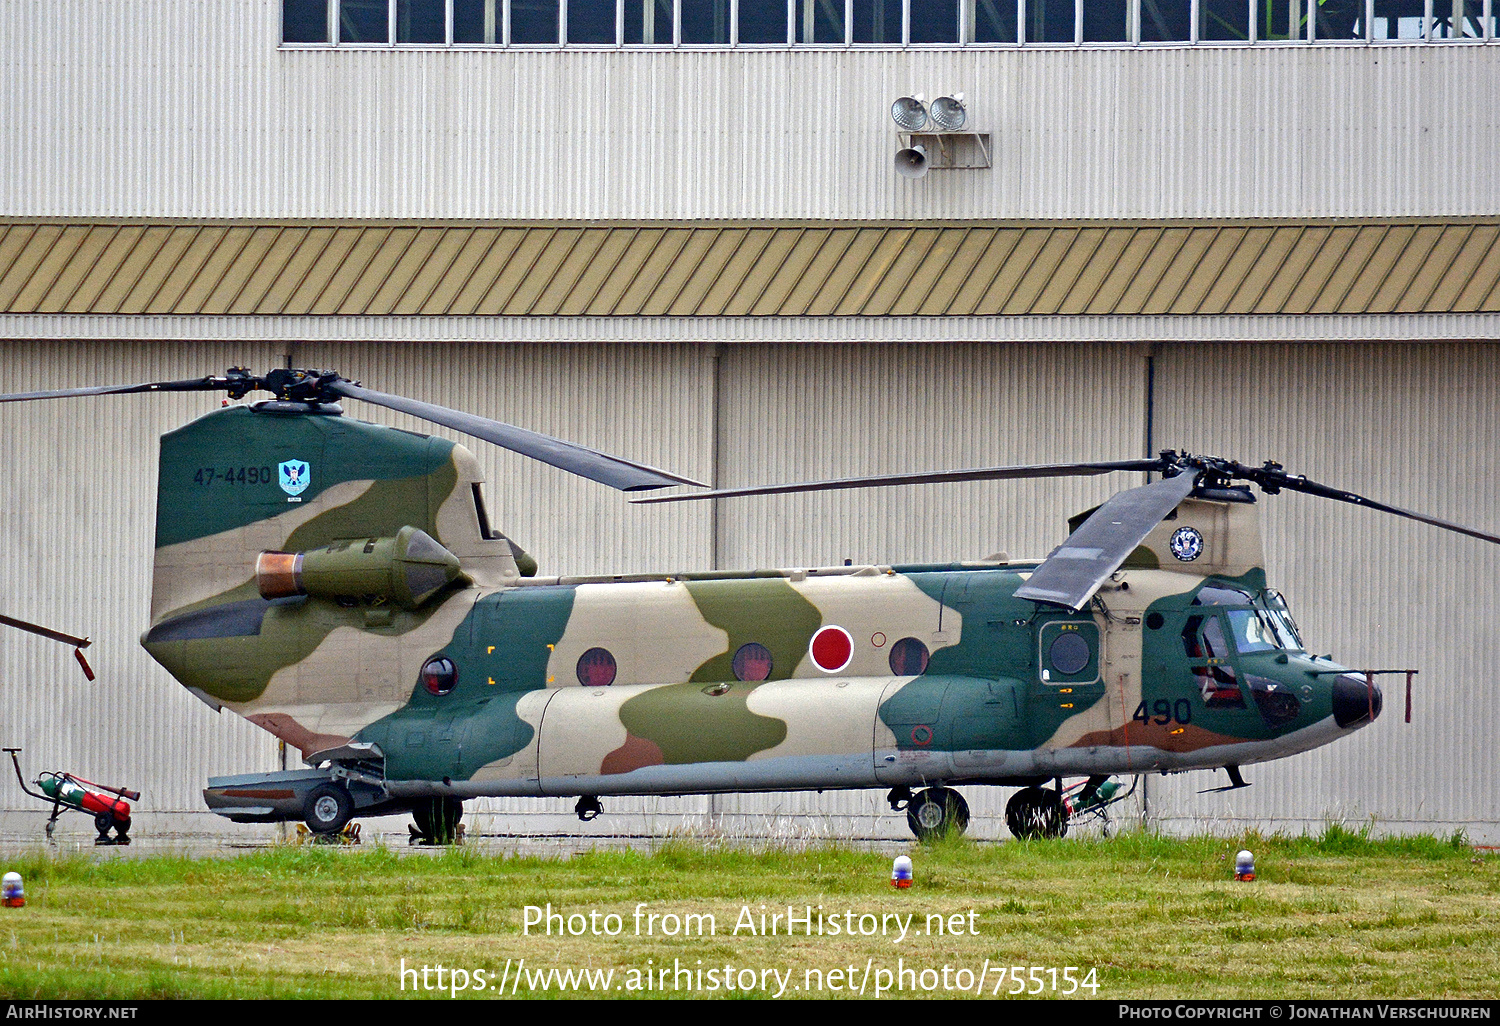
(63, 792)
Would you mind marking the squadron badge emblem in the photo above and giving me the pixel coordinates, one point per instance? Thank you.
(294, 476)
(1187, 544)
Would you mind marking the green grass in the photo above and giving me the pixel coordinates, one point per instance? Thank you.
(1337, 915)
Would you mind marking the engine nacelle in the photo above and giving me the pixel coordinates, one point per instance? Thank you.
(408, 569)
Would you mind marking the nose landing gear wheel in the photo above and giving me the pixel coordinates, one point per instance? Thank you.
(328, 809)
(1036, 812)
(937, 811)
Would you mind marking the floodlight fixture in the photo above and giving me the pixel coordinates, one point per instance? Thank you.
(910, 113)
(949, 113)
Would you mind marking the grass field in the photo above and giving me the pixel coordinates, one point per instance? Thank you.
(1138, 916)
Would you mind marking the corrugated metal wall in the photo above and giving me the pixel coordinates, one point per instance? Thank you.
(1410, 424)
(142, 108)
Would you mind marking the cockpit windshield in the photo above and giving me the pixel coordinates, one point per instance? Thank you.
(1282, 617)
(1253, 631)
(1259, 626)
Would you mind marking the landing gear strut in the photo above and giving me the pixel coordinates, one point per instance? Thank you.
(935, 812)
(436, 820)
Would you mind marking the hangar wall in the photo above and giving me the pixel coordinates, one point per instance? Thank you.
(1407, 423)
(139, 108)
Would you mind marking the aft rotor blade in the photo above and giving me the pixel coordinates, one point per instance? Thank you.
(45, 632)
(623, 474)
(195, 385)
(1075, 570)
(1302, 484)
(928, 477)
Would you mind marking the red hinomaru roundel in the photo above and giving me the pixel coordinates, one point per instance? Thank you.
(832, 648)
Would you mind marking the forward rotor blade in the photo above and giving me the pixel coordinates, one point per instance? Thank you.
(618, 473)
(1302, 484)
(929, 477)
(195, 385)
(1075, 570)
(45, 632)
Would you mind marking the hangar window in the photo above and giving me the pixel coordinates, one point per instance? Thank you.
(1107, 21)
(1223, 20)
(702, 22)
(421, 21)
(819, 21)
(364, 21)
(535, 22)
(591, 21)
(1166, 21)
(762, 21)
(991, 21)
(892, 23)
(1050, 21)
(304, 21)
(648, 22)
(877, 21)
(933, 21)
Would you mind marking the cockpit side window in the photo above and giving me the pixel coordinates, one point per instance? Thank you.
(1190, 643)
(1213, 639)
(1252, 631)
(1220, 689)
(1203, 639)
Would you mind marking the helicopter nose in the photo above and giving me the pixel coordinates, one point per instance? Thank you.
(1355, 700)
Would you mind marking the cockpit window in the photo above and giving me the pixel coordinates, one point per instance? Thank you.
(1286, 628)
(1213, 639)
(1203, 638)
(1282, 617)
(1220, 595)
(1219, 688)
(1191, 644)
(1253, 631)
(1277, 705)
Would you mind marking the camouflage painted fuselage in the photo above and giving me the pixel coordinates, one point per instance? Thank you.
(845, 677)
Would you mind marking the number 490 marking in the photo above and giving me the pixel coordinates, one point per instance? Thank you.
(1163, 712)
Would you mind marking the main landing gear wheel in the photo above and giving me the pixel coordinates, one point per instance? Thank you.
(328, 809)
(437, 820)
(937, 811)
(1036, 812)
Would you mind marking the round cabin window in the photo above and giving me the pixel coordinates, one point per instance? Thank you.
(1069, 654)
(439, 676)
(752, 661)
(596, 668)
(908, 658)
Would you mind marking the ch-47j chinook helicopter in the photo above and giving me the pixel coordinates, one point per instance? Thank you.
(341, 585)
